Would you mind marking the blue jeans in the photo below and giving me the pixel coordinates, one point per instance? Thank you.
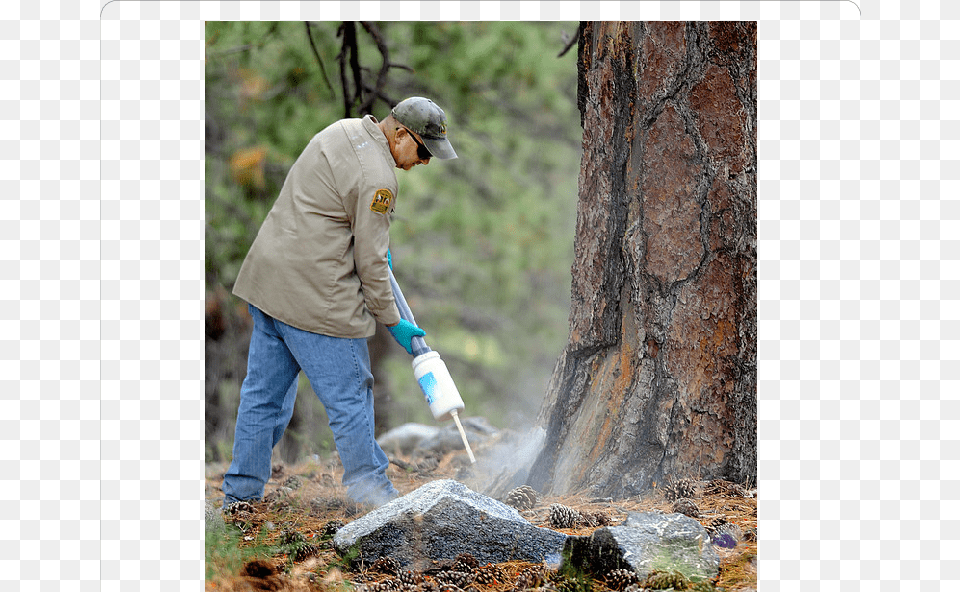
(339, 372)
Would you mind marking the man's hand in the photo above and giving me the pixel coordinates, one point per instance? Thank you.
(404, 332)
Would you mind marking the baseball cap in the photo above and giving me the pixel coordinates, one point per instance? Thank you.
(428, 120)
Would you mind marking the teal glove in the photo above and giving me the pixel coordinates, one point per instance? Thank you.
(404, 332)
(389, 260)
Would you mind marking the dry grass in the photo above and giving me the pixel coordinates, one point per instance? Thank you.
(313, 509)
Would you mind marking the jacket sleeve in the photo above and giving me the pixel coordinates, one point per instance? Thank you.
(371, 225)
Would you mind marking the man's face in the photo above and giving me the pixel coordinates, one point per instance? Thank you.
(409, 150)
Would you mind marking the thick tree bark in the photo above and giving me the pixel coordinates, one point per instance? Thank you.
(658, 380)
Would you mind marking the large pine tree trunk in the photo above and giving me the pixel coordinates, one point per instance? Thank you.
(658, 380)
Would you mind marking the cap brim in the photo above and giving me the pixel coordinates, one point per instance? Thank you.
(441, 148)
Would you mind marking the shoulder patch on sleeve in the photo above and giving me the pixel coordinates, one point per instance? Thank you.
(382, 201)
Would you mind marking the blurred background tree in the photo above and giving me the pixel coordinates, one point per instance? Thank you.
(482, 245)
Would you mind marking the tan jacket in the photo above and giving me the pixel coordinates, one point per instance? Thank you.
(319, 262)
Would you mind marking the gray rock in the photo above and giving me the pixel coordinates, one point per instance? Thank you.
(406, 437)
(213, 516)
(416, 437)
(439, 521)
(447, 438)
(645, 542)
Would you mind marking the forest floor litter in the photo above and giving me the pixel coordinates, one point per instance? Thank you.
(285, 542)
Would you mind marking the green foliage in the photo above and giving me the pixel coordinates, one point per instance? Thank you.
(224, 552)
(483, 244)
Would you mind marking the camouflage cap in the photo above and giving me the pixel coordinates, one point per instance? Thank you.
(429, 122)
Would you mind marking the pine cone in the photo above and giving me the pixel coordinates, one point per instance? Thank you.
(532, 578)
(291, 537)
(304, 550)
(465, 562)
(238, 508)
(724, 534)
(331, 528)
(564, 583)
(522, 498)
(386, 565)
(686, 506)
(601, 519)
(563, 517)
(412, 578)
(457, 578)
(490, 574)
(660, 580)
(682, 488)
(619, 579)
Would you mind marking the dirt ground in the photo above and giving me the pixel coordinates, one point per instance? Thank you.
(284, 543)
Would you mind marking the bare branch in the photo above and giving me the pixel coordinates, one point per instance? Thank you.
(371, 28)
(342, 60)
(383, 96)
(350, 42)
(576, 37)
(316, 54)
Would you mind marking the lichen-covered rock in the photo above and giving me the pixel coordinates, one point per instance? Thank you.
(441, 520)
(644, 543)
(213, 516)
